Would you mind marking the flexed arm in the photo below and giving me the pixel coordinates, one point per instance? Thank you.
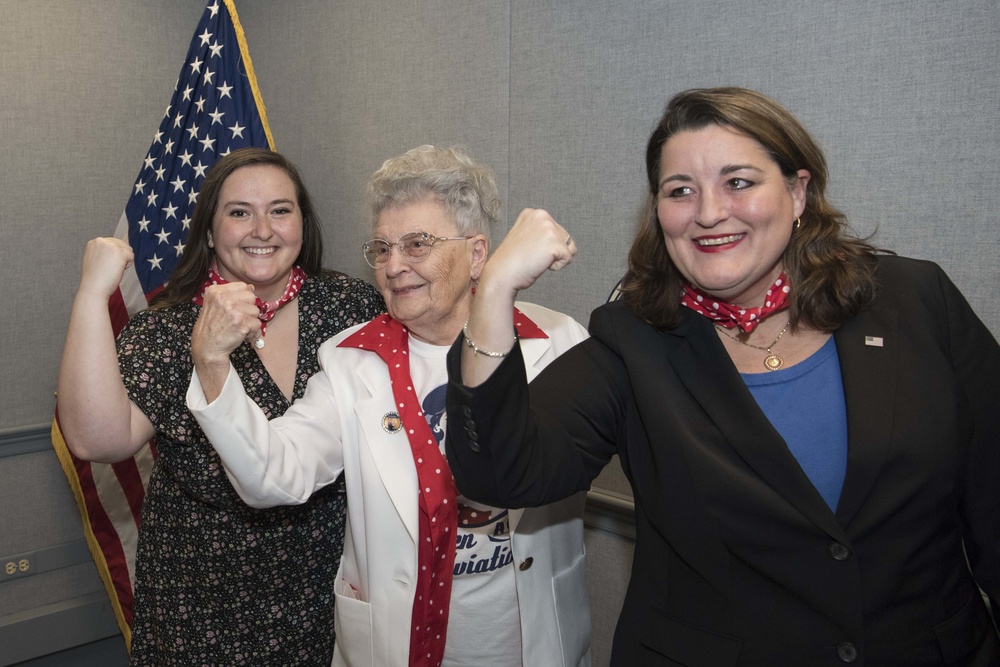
(518, 447)
(535, 244)
(278, 462)
(95, 412)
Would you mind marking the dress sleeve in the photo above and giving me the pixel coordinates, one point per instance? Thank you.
(515, 445)
(154, 359)
(976, 358)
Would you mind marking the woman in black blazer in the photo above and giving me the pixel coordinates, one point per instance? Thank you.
(811, 428)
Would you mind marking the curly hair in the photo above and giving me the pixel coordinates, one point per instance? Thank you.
(831, 270)
(192, 269)
(465, 188)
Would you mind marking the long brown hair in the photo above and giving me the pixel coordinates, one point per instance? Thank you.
(192, 269)
(831, 271)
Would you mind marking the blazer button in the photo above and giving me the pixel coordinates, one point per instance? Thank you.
(847, 652)
(472, 439)
(838, 551)
(526, 563)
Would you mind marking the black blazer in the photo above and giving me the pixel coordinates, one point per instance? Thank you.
(738, 560)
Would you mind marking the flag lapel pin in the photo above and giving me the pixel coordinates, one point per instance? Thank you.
(873, 341)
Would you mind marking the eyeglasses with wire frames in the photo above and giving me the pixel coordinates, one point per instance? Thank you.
(413, 247)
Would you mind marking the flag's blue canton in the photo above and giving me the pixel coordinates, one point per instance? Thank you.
(212, 112)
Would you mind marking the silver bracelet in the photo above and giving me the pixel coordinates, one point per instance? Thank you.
(477, 349)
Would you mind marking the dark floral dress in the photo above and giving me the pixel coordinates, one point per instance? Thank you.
(218, 582)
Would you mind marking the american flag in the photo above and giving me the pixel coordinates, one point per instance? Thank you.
(215, 108)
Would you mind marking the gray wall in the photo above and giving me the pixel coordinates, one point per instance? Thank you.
(559, 96)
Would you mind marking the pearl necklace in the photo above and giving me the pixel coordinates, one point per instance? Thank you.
(772, 362)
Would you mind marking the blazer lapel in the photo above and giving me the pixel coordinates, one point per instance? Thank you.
(869, 366)
(532, 349)
(390, 451)
(703, 365)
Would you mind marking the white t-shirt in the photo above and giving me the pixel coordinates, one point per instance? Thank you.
(484, 625)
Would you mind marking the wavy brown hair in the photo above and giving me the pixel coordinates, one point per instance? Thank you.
(192, 269)
(831, 271)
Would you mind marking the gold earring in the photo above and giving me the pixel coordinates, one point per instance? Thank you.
(798, 222)
(211, 243)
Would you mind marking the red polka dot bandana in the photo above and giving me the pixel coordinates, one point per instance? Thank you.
(438, 518)
(438, 515)
(730, 315)
(267, 309)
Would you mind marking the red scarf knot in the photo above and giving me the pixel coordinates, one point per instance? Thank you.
(268, 309)
(730, 315)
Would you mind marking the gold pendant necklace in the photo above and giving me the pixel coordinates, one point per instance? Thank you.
(772, 362)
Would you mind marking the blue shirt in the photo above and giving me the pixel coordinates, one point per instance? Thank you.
(805, 404)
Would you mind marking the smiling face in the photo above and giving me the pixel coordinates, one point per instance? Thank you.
(257, 229)
(431, 297)
(726, 212)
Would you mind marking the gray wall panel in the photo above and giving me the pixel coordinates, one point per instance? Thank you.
(85, 84)
(366, 81)
(609, 561)
(39, 513)
(59, 602)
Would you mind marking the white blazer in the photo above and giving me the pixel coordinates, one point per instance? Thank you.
(337, 427)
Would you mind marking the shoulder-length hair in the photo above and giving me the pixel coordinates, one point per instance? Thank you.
(192, 270)
(830, 270)
(465, 188)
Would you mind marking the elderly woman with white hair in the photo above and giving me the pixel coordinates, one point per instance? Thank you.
(427, 577)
